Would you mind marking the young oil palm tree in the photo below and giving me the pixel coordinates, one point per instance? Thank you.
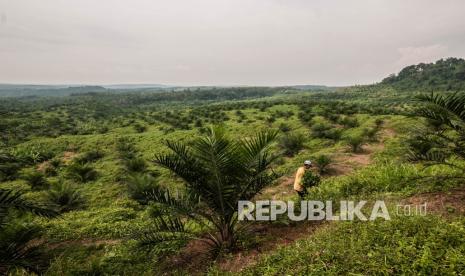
(65, 196)
(217, 173)
(19, 246)
(445, 137)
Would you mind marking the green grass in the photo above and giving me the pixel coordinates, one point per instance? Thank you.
(405, 245)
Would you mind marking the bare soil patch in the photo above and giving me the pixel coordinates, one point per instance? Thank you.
(68, 156)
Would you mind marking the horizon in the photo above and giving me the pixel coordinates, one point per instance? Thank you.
(163, 85)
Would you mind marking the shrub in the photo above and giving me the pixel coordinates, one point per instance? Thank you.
(55, 162)
(90, 156)
(136, 164)
(81, 172)
(333, 117)
(198, 123)
(65, 196)
(33, 154)
(349, 122)
(323, 130)
(125, 148)
(355, 142)
(370, 134)
(35, 179)
(310, 179)
(139, 128)
(322, 162)
(379, 122)
(139, 185)
(9, 166)
(284, 127)
(291, 143)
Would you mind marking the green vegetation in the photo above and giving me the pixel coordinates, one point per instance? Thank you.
(17, 246)
(65, 196)
(310, 180)
(408, 245)
(291, 144)
(141, 179)
(445, 74)
(443, 140)
(322, 163)
(217, 172)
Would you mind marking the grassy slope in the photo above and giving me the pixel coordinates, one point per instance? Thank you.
(93, 240)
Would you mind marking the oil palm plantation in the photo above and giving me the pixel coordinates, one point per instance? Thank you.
(444, 140)
(217, 172)
(19, 244)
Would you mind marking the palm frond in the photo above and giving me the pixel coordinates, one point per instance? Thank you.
(254, 145)
(453, 104)
(183, 204)
(14, 200)
(19, 247)
(164, 229)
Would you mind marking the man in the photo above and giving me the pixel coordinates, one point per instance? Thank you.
(298, 187)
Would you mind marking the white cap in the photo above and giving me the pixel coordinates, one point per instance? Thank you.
(308, 162)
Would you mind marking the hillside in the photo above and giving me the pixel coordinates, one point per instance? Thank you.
(134, 183)
(442, 75)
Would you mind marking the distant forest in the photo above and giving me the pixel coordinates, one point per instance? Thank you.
(444, 74)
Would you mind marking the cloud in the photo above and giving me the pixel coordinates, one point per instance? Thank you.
(224, 42)
(425, 54)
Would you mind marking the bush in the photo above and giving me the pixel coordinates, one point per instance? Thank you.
(310, 179)
(322, 162)
(349, 122)
(270, 119)
(125, 148)
(284, 127)
(291, 143)
(55, 162)
(371, 134)
(136, 164)
(379, 122)
(139, 185)
(65, 196)
(139, 128)
(355, 142)
(81, 172)
(9, 166)
(33, 154)
(326, 131)
(90, 156)
(35, 179)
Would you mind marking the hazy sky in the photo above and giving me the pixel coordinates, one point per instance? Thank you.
(223, 42)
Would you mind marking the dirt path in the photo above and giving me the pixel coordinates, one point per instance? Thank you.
(345, 163)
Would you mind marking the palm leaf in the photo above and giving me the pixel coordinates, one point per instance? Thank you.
(14, 200)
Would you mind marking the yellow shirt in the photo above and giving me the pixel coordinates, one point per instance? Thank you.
(298, 179)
